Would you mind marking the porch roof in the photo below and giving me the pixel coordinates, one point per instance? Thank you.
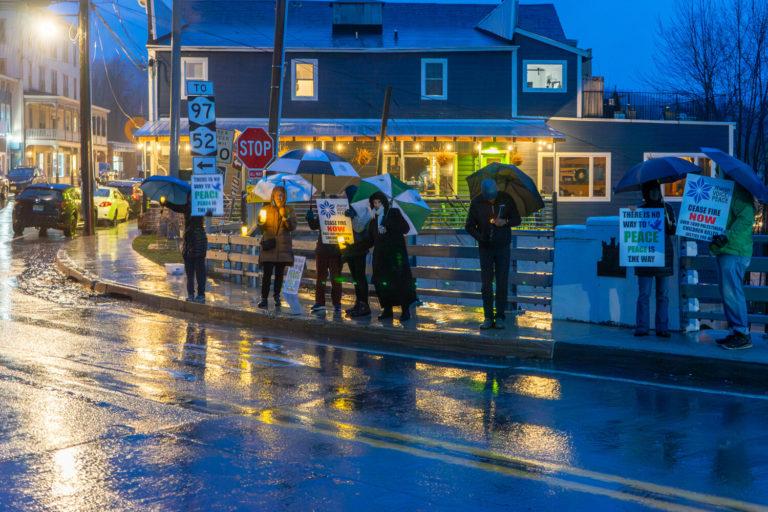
(518, 128)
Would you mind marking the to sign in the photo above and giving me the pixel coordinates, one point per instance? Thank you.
(255, 148)
(199, 88)
(224, 140)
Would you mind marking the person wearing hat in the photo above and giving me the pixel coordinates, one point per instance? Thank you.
(491, 216)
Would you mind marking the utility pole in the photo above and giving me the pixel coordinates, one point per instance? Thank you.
(383, 133)
(278, 59)
(175, 86)
(86, 144)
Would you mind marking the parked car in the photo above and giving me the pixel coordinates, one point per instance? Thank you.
(133, 193)
(22, 177)
(110, 205)
(45, 206)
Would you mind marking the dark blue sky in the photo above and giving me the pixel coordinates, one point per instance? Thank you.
(621, 33)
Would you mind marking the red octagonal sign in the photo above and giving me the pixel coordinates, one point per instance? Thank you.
(255, 148)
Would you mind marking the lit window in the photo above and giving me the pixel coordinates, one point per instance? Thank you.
(545, 76)
(578, 176)
(193, 68)
(434, 79)
(674, 191)
(304, 72)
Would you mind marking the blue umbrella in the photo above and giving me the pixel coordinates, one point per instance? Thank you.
(297, 189)
(174, 190)
(739, 172)
(664, 170)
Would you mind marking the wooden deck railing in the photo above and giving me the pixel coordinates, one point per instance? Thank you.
(451, 266)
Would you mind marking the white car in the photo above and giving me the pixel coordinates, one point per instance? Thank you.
(111, 205)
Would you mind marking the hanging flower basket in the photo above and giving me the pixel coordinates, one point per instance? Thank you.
(362, 157)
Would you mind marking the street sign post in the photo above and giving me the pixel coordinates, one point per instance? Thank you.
(201, 112)
(255, 148)
(224, 140)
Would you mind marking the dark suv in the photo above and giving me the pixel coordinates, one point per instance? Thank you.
(46, 206)
(133, 194)
(22, 177)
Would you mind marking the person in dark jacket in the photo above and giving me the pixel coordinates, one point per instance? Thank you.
(194, 250)
(646, 276)
(391, 270)
(355, 254)
(327, 265)
(491, 216)
(276, 222)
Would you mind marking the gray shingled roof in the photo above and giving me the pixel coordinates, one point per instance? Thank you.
(418, 25)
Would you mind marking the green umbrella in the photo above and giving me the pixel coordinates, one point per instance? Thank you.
(511, 180)
(400, 195)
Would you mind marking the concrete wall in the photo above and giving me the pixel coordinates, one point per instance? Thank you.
(579, 294)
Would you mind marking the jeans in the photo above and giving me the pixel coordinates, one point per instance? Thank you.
(731, 270)
(643, 315)
(328, 266)
(494, 263)
(267, 269)
(357, 269)
(195, 268)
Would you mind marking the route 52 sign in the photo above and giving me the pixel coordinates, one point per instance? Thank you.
(203, 141)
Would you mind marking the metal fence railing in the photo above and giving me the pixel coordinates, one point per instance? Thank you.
(649, 106)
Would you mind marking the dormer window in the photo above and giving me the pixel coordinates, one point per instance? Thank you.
(434, 79)
(545, 76)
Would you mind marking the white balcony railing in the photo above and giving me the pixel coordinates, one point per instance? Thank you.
(52, 134)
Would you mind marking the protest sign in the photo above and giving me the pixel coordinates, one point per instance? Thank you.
(333, 223)
(207, 194)
(641, 235)
(292, 280)
(705, 208)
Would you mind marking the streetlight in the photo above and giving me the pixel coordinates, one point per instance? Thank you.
(46, 28)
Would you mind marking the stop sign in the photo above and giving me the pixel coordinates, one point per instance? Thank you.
(255, 148)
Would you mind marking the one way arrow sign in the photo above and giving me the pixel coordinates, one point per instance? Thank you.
(204, 165)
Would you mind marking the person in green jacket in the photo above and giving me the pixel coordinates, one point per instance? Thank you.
(733, 251)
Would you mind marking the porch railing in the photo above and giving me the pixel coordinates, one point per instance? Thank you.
(648, 106)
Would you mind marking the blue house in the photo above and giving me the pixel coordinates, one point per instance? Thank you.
(471, 84)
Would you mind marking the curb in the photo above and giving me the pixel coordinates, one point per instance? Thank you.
(384, 337)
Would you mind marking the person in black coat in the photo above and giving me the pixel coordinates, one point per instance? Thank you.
(327, 266)
(646, 276)
(194, 250)
(391, 270)
(491, 216)
(355, 254)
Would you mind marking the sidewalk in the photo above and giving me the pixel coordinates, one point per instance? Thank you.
(108, 263)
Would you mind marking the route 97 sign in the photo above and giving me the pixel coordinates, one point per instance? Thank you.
(201, 112)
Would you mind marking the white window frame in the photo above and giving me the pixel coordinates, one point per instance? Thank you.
(591, 156)
(444, 63)
(193, 60)
(682, 154)
(563, 86)
(315, 70)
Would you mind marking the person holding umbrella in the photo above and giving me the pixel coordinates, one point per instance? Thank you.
(491, 216)
(391, 270)
(276, 222)
(646, 276)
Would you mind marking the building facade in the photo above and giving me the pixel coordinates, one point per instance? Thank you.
(38, 55)
(471, 84)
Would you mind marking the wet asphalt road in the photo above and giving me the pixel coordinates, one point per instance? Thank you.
(108, 406)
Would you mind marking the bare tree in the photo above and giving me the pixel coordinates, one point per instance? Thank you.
(717, 51)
